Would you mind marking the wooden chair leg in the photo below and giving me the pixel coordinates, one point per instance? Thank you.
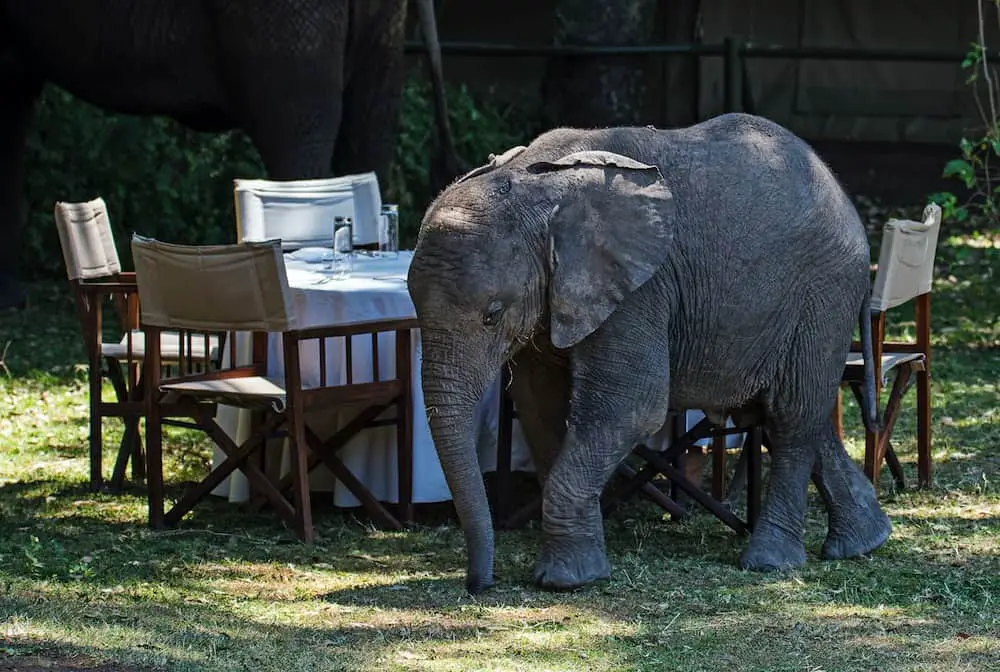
(753, 448)
(296, 423)
(300, 483)
(894, 466)
(404, 457)
(924, 475)
(96, 440)
(130, 444)
(838, 415)
(154, 453)
(719, 467)
(135, 394)
(404, 427)
(899, 388)
(351, 482)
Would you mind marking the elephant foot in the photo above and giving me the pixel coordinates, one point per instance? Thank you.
(857, 535)
(478, 584)
(857, 524)
(569, 562)
(771, 551)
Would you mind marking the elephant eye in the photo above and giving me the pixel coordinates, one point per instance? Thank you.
(504, 188)
(492, 313)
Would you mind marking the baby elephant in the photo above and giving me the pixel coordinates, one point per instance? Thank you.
(623, 271)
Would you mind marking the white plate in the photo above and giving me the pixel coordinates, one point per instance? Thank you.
(312, 255)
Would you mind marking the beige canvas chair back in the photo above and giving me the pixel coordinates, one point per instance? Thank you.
(906, 259)
(241, 287)
(301, 212)
(88, 246)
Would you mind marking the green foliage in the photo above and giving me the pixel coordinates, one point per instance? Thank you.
(162, 179)
(478, 130)
(158, 177)
(977, 167)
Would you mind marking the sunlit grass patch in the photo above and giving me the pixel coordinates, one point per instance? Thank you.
(81, 575)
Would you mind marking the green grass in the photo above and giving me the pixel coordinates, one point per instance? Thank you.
(82, 576)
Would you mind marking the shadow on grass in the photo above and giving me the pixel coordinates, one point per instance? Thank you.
(187, 635)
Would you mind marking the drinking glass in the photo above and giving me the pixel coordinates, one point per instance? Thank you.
(343, 248)
(388, 232)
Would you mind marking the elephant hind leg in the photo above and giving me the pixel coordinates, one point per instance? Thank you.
(857, 525)
(797, 420)
(776, 542)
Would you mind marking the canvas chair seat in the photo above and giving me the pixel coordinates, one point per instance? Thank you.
(170, 350)
(248, 392)
(891, 360)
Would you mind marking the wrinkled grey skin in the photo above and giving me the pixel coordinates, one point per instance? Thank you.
(315, 84)
(717, 267)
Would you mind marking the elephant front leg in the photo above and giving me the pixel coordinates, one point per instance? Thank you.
(857, 525)
(540, 388)
(619, 395)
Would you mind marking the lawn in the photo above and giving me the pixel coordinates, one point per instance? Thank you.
(85, 585)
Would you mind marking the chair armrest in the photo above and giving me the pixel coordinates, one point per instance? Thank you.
(101, 288)
(356, 328)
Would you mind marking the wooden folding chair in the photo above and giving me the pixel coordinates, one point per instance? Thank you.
(905, 272)
(95, 279)
(233, 289)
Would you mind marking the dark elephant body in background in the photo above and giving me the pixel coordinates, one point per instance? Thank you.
(315, 84)
(625, 270)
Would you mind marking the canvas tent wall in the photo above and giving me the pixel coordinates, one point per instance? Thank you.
(850, 100)
(822, 100)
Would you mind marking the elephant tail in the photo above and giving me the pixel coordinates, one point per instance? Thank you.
(869, 413)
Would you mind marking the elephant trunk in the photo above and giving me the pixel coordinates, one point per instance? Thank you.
(450, 395)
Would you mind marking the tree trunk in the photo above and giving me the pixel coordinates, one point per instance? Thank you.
(599, 90)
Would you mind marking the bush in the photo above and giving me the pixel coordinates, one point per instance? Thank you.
(162, 179)
(978, 167)
(479, 130)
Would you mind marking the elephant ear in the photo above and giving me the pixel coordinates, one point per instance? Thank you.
(495, 161)
(608, 235)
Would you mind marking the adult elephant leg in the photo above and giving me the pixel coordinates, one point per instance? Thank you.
(620, 391)
(284, 77)
(857, 525)
(295, 143)
(374, 71)
(15, 115)
(540, 388)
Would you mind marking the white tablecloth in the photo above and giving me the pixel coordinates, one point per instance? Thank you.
(375, 290)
